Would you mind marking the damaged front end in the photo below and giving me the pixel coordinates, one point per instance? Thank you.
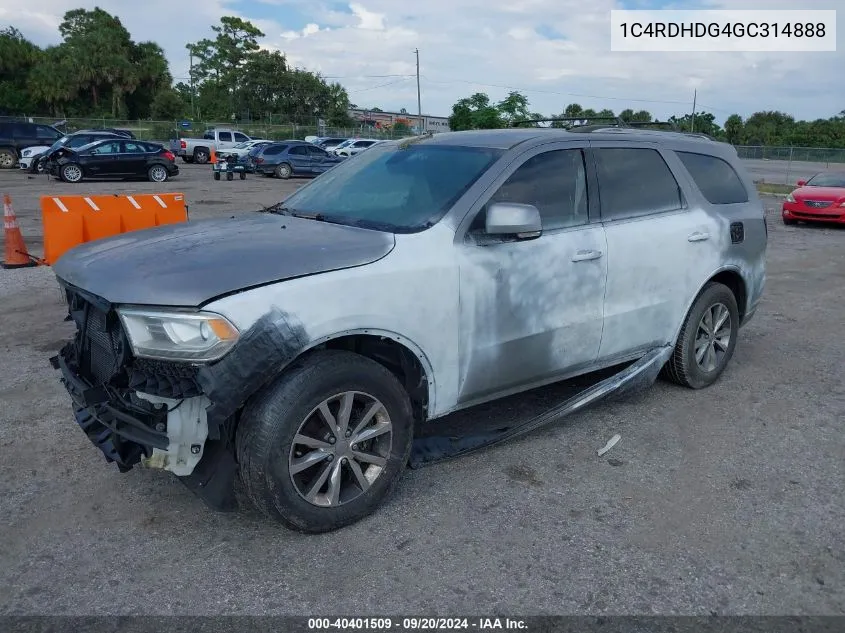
(139, 411)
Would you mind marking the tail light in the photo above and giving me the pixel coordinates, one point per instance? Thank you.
(259, 160)
(169, 155)
(183, 145)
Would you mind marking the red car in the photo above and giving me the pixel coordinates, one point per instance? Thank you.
(819, 199)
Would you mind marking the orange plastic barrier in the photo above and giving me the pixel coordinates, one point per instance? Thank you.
(73, 220)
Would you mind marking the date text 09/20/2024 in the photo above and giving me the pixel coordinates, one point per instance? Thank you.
(415, 624)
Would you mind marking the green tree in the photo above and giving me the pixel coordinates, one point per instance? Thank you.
(168, 105)
(514, 107)
(18, 56)
(475, 113)
(733, 129)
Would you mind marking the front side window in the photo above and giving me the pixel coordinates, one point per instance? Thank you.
(298, 150)
(555, 182)
(715, 178)
(394, 189)
(634, 182)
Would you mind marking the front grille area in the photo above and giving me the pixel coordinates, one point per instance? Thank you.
(818, 204)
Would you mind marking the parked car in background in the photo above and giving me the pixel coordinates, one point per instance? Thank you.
(355, 146)
(16, 136)
(30, 156)
(116, 157)
(419, 280)
(329, 144)
(72, 141)
(819, 199)
(198, 150)
(291, 158)
(242, 150)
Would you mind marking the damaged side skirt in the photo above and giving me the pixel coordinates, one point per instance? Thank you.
(642, 373)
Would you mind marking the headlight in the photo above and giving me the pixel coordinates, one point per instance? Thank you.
(26, 152)
(789, 198)
(185, 336)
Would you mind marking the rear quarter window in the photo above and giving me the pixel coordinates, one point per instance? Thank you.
(715, 178)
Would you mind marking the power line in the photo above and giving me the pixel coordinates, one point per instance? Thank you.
(389, 83)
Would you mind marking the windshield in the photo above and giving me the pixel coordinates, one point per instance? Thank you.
(394, 189)
(58, 143)
(243, 145)
(827, 180)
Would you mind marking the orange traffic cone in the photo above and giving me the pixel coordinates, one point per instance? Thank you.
(212, 157)
(16, 253)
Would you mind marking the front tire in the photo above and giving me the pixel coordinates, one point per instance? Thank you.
(71, 173)
(295, 441)
(707, 340)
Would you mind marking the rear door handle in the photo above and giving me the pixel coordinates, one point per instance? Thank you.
(582, 256)
(698, 237)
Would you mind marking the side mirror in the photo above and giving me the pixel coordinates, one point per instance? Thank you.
(509, 218)
(801, 183)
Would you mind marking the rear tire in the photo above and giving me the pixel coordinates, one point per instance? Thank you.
(216, 175)
(243, 176)
(201, 156)
(284, 171)
(703, 351)
(291, 459)
(157, 173)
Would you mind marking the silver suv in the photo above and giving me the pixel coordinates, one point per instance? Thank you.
(301, 348)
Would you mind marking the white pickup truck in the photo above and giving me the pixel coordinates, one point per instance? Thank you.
(198, 150)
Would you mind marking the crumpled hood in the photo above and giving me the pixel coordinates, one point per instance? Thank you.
(192, 263)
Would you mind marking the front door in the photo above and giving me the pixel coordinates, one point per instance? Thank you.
(103, 160)
(133, 159)
(531, 310)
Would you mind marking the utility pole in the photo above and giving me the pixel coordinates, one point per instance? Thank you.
(419, 102)
(692, 119)
(191, 72)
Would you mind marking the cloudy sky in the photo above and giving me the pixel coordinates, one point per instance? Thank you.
(555, 51)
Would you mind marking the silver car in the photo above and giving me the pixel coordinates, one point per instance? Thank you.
(300, 349)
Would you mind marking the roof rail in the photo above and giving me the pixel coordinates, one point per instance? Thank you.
(616, 119)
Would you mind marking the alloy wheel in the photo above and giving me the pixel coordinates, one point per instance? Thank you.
(340, 449)
(713, 337)
(158, 174)
(72, 173)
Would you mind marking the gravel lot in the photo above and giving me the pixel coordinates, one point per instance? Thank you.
(726, 501)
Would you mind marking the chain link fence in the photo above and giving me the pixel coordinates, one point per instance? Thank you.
(829, 156)
(163, 131)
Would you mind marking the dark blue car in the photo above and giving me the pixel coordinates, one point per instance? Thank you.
(291, 158)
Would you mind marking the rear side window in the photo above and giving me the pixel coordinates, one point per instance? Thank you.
(635, 182)
(225, 137)
(272, 150)
(716, 179)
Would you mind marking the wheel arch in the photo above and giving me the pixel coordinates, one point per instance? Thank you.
(729, 276)
(397, 353)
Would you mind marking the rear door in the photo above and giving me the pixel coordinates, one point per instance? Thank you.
(133, 158)
(659, 249)
(300, 159)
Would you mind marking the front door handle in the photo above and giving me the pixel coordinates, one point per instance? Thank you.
(698, 237)
(583, 256)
